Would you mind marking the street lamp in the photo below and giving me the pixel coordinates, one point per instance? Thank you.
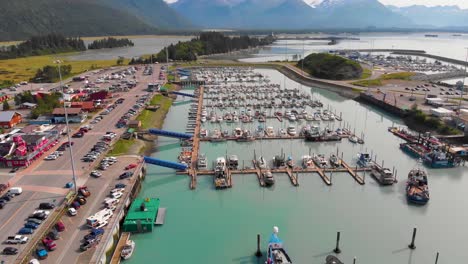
(67, 126)
(464, 77)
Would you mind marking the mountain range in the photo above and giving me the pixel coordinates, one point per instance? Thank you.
(23, 18)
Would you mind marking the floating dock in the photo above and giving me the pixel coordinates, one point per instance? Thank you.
(141, 216)
(161, 216)
(124, 237)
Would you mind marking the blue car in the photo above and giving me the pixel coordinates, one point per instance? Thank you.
(25, 231)
(31, 225)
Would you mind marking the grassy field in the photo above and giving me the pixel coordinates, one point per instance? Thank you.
(150, 119)
(121, 147)
(22, 69)
(379, 81)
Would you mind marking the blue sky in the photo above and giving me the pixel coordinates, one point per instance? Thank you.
(460, 3)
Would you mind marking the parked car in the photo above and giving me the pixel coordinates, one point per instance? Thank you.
(46, 206)
(131, 166)
(25, 231)
(31, 225)
(49, 243)
(10, 251)
(126, 175)
(54, 234)
(51, 157)
(40, 216)
(84, 191)
(72, 211)
(19, 239)
(60, 226)
(41, 253)
(34, 220)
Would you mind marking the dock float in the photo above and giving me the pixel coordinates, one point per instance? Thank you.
(196, 141)
(258, 172)
(161, 216)
(124, 237)
(292, 177)
(353, 173)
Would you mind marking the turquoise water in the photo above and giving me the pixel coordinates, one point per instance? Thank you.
(210, 226)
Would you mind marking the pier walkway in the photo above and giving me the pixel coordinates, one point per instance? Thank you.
(196, 141)
(118, 249)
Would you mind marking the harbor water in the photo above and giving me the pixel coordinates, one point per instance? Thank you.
(220, 226)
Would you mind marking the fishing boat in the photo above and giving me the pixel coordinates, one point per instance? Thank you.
(202, 162)
(353, 139)
(220, 179)
(383, 175)
(127, 249)
(417, 191)
(438, 159)
(203, 133)
(237, 132)
(233, 162)
(307, 161)
(279, 161)
(217, 136)
(276, 252)
(290, 162)
(270, 132)
(291, 131)
(313, 134)
(364, 160)
(268, 178)
(320, 161)
(283, 133)
(262, 164)
(246, 137)
(334, 161)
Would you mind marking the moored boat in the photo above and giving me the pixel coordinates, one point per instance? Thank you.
(334, 161)
(383, 175)
(128, 249)
(276, 252)
(202, 162)
(417, 190)
(268, 178)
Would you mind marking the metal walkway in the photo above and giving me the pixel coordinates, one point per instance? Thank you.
(165, 163)
(172, 134)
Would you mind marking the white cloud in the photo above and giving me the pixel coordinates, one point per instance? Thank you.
(460, 3)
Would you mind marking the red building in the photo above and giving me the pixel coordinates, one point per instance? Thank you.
(9, 119)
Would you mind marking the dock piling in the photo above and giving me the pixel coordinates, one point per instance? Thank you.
(259, 252)
(412, 245)
(354, 260)
(337, 249)
(437, 258)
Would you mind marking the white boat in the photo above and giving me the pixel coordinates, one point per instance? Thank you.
(291, 130)
(127, 250)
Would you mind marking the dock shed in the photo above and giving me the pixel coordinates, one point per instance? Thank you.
(141, 216)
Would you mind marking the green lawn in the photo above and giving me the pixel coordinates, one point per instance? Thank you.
(121, 147)
(378, 81)
(150, 119)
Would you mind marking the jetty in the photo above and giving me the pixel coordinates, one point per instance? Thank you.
(124, 237)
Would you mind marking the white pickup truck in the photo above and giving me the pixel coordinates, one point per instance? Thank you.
(16, 240)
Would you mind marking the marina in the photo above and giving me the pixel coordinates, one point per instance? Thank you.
(310, 195)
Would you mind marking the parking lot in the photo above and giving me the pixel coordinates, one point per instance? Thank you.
(44, 181)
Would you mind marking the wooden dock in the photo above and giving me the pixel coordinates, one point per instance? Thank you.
(322, 172)
(161, 216)
(292, 178)
(196, 141)
(353, 173)
(258, 172)
(118, 249)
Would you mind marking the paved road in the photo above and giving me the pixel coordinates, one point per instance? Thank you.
(44, 181)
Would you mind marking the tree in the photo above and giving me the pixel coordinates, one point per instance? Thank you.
(120, 60)
(6, 105)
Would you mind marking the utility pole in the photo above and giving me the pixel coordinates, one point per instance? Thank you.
(70, 146)
(464, 77)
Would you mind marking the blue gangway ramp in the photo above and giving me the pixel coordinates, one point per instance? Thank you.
(165, 163)
(183, 94)
(172, 134)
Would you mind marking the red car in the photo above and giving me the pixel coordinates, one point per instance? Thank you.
(131, 166)
(49, 243)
